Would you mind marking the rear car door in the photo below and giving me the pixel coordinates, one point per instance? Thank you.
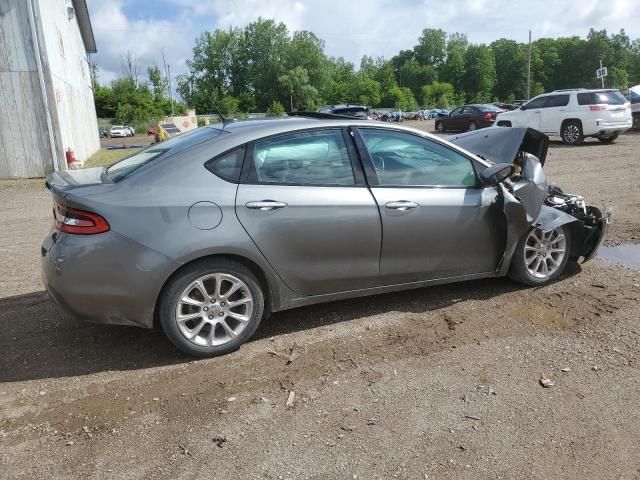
(553, 113)
(437, 221)
(304, 202)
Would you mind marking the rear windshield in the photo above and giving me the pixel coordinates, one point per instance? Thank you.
(488, 108)
(125, 167)
(612, 97)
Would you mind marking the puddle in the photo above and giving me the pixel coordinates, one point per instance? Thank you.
(626, 255)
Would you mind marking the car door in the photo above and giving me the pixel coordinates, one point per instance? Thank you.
(454, 120)
(304, 202)
(529, 113)
(553, 113)
(437, 221)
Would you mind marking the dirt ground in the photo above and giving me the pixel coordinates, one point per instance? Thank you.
(436, 383)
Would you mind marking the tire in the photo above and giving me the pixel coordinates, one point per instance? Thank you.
(571, 133)
(523, 263)
(207, 319)
(472, 126)
(440, 127)
(610, 139)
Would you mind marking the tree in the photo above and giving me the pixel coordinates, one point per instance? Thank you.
(511, 67)
(158, 82)
(275, 109)
(438, 95)
(296, 82)
(480, 74)
(431, 47)
(402, 98)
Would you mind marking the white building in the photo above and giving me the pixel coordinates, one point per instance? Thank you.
(46, 97)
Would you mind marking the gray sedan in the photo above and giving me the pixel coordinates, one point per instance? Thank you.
(207, 233)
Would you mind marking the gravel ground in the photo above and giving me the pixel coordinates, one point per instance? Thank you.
(435, 383)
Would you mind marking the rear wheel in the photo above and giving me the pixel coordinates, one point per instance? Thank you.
(610, 139)
(211, 307)
(541, 257)
(440, 127)
(572, 133)
(473, 126)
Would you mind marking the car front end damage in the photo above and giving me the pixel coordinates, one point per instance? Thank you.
(526, 197)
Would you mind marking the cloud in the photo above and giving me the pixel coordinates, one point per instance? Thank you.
(350, 28)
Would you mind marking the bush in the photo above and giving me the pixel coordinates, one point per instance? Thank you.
(275, 109)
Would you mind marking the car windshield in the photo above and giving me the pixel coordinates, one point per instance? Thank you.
(126, 166)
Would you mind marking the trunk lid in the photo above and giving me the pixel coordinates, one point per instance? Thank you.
(64, 181)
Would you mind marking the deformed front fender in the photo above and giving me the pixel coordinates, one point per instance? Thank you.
(551, 218)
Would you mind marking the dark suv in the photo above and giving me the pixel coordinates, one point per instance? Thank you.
(469, 117)
(351, 110)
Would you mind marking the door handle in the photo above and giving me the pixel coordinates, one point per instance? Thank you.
(401, 205)
(265, 205)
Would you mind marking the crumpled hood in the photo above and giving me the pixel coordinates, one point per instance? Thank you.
(502, 144)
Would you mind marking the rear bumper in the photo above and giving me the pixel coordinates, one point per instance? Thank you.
(104, 278)
(600, 127)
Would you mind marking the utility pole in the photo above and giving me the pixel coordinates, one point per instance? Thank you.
(602, 76)
(291, 99)
(529, 73)
(170, 89)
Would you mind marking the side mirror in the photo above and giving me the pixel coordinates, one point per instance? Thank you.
(496, 174)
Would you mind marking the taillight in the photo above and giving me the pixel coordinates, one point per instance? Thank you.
(79, 222)
(596, 108)
(490, 116)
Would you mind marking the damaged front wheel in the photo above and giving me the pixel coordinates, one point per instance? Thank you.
(541, 257)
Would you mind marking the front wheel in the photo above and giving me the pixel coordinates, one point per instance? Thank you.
(211, 307)
(440, 127)
(541, 257)
(473, 126)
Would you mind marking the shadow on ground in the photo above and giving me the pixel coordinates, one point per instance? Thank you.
(39, 341)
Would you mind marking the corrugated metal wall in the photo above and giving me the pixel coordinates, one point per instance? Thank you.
(24, 139)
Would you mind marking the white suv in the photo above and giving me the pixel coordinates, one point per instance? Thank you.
(573, 115)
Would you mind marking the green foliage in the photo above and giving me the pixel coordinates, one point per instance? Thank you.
(438, 95)
(276, 109)
(264, 67)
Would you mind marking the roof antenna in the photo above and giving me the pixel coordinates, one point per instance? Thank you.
(225, 120)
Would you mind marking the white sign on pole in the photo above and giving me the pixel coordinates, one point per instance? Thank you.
(601, 72)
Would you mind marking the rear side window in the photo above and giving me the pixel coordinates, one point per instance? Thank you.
(305, 158)
(601, 98)
(228, 165)
(557, 101)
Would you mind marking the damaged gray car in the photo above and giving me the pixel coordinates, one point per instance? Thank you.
(207, 233)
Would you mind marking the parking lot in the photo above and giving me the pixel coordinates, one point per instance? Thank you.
(434, 383)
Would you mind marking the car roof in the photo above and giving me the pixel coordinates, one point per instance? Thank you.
(254, 129)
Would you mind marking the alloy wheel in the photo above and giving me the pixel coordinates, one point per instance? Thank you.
(214, 309)
(571, 133)
(544, 252)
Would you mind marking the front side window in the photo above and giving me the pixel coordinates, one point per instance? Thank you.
(557, 101)
(305, 158)
(456, 112)
(539, 102)
(402, 159)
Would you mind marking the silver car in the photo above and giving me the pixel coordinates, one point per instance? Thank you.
(207, 233)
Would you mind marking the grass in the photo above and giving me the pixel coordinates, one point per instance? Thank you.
(104, 158)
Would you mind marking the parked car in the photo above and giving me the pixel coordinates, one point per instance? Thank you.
(103, 132)
(468, 117)
(396, 116)
(350, 110)
(209, 232)
(132, 130)
(505, 106)
(437, 113)
(119, 131)
(634, 98)
(574, 114)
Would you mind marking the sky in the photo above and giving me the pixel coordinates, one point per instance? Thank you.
(350, 28)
